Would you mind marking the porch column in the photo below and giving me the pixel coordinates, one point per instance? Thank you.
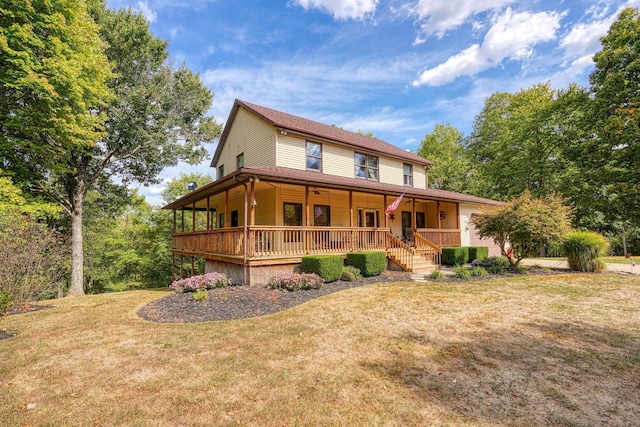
(208, 214)
(413, 214)
(193, 217)
(252, 220)
(173, 267)
(350, 209)
(458, 216)
(306, 205)
(226, 208)
(183, 219)
(193, 266)
(439, 223)
(174, 221)
(386, 217)
(181, 268)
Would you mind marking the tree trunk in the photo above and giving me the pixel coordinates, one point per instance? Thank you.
(77, 257)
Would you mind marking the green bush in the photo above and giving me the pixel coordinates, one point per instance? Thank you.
(494, 264)
(478, 271)
(200, 295)
(6, 300)
(478, 252)
(583, 248)
(350, 273)
(329, 267)
(455, 255)
(437, 274)
(369, 263)
(461, 273)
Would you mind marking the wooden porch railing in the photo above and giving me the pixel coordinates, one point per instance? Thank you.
(226, 241)
(400, 252)
(427, 249)
(440, 237)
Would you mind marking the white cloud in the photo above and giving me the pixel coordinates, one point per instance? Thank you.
(512, 36)
(584, 39)
(342, 9)
(146, 11)
(439, 16)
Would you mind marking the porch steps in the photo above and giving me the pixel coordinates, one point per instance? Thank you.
(422, 265)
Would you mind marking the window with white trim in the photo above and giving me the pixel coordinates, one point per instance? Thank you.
(366, 166)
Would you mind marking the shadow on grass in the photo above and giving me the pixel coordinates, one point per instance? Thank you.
(546, 373)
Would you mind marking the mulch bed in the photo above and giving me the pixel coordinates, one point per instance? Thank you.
(240, 302)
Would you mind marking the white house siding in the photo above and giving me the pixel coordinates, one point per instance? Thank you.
(291, 152)
(337, 160)
(469, 236)
(391, 171)
(252, 136)
(419, 177)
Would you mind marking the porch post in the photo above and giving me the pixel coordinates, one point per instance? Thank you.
(458, 216)
(183, 219)
(307, 243)
(439, 223)
(173, 267)
(253, 206)
(226, 208)
(193, 217)
(413, 214)
(386, 217)
(350, 208)
(208, 213)
(174, 221)
(193, 266)
(181, 267)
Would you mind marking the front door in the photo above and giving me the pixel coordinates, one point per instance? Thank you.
(407, 224)
(370, 219)
(234, 218)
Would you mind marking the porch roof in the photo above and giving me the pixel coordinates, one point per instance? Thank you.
(316, 179)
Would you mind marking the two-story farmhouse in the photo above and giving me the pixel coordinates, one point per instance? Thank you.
(287, 187)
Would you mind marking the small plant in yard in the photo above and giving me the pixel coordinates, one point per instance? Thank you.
(204, 281)
(295, 281)
(436, 275)
(200, 295)
(584, 250)
(461, 273)
(6, 300)
(478, 271)
(494, 264)
(350, 273)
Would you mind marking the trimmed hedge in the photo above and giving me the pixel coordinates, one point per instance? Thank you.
(455, 255)
(369, 263)
(329, 267)
(478, 252)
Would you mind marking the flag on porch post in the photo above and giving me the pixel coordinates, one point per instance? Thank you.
(393, 206)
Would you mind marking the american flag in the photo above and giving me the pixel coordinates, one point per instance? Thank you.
(393, 206)
(318, 212)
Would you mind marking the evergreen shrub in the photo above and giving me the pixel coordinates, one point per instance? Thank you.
(478, 252)
(329, 267)
(369, 263)
(455, 255)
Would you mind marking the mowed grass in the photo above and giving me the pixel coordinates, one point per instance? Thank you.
(558, 350)
(606, 260)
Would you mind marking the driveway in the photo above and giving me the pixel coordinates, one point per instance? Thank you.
(615, 268)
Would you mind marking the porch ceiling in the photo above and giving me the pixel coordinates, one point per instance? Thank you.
(315, 179)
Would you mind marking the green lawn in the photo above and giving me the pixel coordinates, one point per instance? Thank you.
(560, 350)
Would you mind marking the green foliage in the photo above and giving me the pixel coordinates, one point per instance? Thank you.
(177, 187)
(295, 282)
(452, 162)
(13, 199)
(477, 252)
(461, 273)
(369, 263)
(494, 264)
(6, 301)
(329, 267)
(455, 255)
(350, 273)
(526, 224)
(478, 271)
(583, 248)
(436, 274)
(200, 295)
(34, 258)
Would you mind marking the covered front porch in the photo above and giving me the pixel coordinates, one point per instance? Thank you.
(256, 223)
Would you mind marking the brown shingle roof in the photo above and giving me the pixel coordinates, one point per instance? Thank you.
(320, 130)
(304, 177)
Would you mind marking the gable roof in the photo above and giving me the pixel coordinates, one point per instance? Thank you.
(289, 122)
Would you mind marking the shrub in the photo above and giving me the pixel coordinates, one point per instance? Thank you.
(455, 255)
(494, 264)
(369, 263)
(461, 273)
(295, 281)
(204, 281)
(583, 248)
(329, 267)
(436, 274)
(200, 295)
(6, 300)
(478, 271)
(350, 273)
(478, 252)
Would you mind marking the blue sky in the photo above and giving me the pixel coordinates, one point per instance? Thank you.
(394, 68)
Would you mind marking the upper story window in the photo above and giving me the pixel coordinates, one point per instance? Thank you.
(220, 171)
(408, 174)
(366, 166)
(314, 156)
(240, 161)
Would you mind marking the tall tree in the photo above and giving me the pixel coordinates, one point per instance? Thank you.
(453, 166)
(156, 118)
